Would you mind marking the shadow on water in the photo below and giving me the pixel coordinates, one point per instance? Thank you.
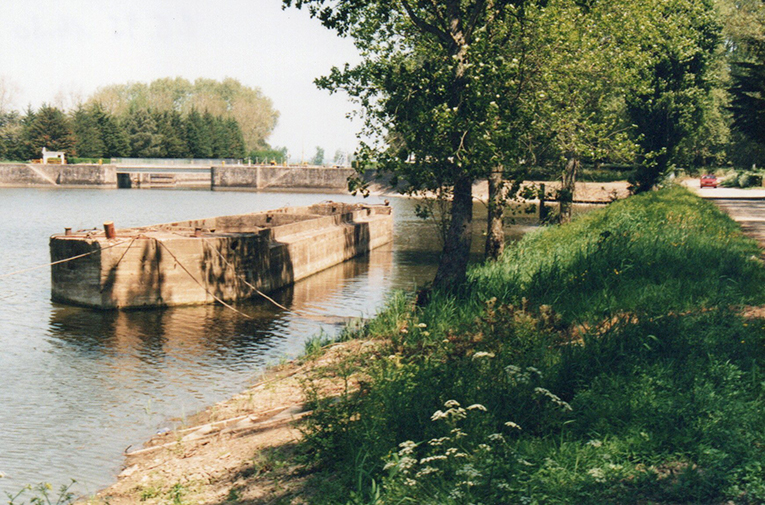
(194, 333)
(213, 335)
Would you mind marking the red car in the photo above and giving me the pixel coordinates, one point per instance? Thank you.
(708, 181)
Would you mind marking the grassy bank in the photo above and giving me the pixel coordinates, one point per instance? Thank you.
(602, 361)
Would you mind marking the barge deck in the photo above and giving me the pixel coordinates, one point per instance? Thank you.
(225, 258)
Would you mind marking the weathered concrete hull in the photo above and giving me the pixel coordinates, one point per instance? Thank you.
(226, 258)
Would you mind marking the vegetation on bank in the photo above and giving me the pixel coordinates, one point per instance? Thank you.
(601, 361)
(462, 90)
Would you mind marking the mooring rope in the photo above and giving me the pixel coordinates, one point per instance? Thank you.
(199, 283)
(241, 276)
(114, 268)
(62, 261)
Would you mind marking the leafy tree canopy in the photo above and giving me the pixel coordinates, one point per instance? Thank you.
(229, 99)
(438, 89)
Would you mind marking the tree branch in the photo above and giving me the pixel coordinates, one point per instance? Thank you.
(473, 18)
(437, 11)
(424, 26)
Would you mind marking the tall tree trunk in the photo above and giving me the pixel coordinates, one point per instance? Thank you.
(495, 232)
(452, 266)
(567, 190)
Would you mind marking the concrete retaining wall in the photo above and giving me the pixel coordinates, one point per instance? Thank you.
(275, 177)
(240, 177)
(37, 175)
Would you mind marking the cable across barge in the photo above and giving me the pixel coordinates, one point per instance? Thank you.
(220, 259)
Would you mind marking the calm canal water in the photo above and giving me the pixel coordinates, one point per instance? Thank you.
(78, 386)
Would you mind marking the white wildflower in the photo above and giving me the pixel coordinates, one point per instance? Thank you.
(436, 457)
(458, 433)
(597, 474)
(469, 471)
(513, 425)
(450, 404)
(553, 397)
(425, 471)
(438, 414)
(477, 406)
(595, 443)
(406, 448)
(438, 441)
(406, 463)
(422, 325)
(496, 437)
(512, 370)
(482, 354)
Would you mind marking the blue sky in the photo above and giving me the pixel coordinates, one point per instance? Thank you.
(55, 50)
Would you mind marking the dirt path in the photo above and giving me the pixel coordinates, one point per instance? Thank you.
(235, 451)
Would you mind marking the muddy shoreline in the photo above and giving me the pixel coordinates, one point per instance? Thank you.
(228, 452)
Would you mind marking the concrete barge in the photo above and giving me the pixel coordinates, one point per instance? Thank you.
(201, 261)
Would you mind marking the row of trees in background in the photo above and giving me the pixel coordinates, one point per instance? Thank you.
(92, 132)
(459, 90)
(168, 118)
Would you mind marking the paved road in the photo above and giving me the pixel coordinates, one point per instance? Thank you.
(745, 206)
(750, 214)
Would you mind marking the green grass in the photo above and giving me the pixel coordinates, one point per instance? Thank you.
(659, 252)
(603, 361)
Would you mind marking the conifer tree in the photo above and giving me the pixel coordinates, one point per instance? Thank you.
(114, 135)
(142, 131)
(234, 139)
(171, 134)
(197, 135)
(88, 132)
(49, 127)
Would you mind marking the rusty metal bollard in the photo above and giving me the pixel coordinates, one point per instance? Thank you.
(109, 230)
